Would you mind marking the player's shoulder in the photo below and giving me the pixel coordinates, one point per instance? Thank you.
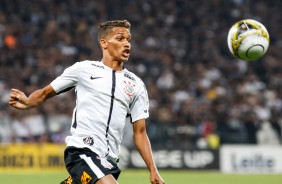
(89, 63)
(85, 65)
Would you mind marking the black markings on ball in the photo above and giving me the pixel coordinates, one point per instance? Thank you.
(247, 52)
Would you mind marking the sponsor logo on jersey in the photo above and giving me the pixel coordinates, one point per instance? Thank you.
(67, 181)
(85, 178)
(99, 66)
(88, 140)
(92, 78)
(127, 75)
(105, 163)
(129, 88)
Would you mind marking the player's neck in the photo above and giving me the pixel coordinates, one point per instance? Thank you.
(115, 65)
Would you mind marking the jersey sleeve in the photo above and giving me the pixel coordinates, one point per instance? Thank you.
(67, 80)
(140, 107)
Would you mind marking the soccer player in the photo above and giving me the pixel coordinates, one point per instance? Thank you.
(108, 95)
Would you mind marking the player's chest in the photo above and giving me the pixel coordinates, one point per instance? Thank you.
(110, 83)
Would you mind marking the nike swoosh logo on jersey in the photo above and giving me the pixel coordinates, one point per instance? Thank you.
(92, 78)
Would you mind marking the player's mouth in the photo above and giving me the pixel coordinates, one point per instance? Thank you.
(126, 53)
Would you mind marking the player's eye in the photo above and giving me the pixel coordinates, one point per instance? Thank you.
(119, 38)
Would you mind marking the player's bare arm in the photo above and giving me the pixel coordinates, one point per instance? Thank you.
(20, 101)
(144, 147)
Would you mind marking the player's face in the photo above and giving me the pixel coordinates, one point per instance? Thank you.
(118, 44)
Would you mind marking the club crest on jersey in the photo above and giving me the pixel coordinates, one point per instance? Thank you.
(105, 163)
(129, 88)
(88, 140)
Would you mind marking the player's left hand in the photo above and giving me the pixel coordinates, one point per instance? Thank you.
(156, 178)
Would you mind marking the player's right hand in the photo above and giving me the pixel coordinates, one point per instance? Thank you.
(156, 178)
(18, 99)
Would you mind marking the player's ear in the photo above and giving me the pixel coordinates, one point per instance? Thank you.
(103, 43)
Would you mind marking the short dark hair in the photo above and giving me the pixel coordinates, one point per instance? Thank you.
(106, 27)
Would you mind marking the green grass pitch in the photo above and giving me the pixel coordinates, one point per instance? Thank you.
(142, 177)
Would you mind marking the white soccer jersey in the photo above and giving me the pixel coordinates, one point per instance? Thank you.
(105, 100)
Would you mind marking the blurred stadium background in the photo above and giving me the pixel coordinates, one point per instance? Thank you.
(208, 110)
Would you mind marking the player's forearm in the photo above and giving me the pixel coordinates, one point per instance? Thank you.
(144, 147)
(36, 98)
(39, 96)
(19, 100)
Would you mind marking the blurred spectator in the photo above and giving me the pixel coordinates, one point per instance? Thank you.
(10, 41)
(6, 135)
(58, 127)
(35, 124)
(20, 129)
(28, 127)
(266, 135)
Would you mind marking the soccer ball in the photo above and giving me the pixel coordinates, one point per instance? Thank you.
(248, 40)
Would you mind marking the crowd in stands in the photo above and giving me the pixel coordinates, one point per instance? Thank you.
(200, 95)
